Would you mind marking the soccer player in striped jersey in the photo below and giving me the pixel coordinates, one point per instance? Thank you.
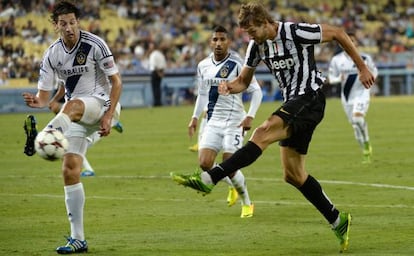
(226, 118)
(354, 96)
(287, 49)
(93, 87)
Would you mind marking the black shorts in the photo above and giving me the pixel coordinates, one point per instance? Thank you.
(302, 114)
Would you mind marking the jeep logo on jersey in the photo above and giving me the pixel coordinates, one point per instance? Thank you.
(282, 64)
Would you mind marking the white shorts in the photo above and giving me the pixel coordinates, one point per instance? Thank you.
(78, 132)
(228, 139)
(358, 106)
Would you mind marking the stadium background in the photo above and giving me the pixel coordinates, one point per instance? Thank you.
(133, 207)
(385, 29)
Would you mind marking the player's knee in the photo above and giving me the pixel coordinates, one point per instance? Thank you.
(74, 109)
(290, 179)
(259, 135)
(71, 168)
(263, 136)
(293, 179)
(358, 120)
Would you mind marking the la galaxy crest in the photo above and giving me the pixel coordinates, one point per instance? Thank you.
(224, 71)
(80, 58)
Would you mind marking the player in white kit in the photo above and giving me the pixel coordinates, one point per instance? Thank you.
(354, 96)
(55, 104)
(226, 118)
(93, 87)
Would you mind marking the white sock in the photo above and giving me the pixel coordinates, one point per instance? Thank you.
(61, 122)
(228, 181)
(336, 222)
(93, 138)
(201, 128)
(360, 130)
(86, 165)
(75, 201)
(239, 184)
(206, 178)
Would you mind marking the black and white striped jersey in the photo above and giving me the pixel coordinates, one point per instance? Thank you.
(290, 57)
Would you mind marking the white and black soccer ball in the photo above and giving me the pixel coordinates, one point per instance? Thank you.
(51, 144)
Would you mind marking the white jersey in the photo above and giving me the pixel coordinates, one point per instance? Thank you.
(84, 69)
(223, 110)
(342, 69)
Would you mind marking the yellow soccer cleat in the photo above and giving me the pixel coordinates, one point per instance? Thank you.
(367, 154)
(232, 196)
(247, 211)
(193, 148)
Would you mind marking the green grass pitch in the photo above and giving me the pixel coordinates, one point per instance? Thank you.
(133, 208)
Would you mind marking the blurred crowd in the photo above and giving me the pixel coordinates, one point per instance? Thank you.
(385, 29)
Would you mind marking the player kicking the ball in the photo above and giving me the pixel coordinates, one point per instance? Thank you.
(30, 128)
(93, 88)
(55, 106)
(287, 49)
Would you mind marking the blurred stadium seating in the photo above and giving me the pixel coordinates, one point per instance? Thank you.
(385, 30)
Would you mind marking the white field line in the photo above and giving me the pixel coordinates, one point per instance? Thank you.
(142, 199)
(284, 202)
(376, 185)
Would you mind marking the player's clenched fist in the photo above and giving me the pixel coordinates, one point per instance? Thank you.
(223, 88)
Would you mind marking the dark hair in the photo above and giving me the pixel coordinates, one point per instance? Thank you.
(219, 28)
(64, 7)
(253, 13)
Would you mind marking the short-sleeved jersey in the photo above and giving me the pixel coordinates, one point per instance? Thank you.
(290, 57)
(342, 68)
(222, 110)
(84, 69)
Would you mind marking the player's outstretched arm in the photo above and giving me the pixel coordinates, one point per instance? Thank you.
(239, 84)
(106, 120)
(331, 33)
(40, 100)
(54, 104)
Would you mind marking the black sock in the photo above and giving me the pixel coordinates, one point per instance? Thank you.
(241, 158)
(312, 190)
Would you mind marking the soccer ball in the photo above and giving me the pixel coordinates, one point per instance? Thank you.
(51, 144)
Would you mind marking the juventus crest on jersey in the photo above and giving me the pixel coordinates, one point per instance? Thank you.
(89, 63)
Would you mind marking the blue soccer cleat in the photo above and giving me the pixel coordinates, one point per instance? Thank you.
(87, 173)
(73, 246)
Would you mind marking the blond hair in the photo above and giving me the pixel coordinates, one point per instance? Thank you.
(253, 13)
